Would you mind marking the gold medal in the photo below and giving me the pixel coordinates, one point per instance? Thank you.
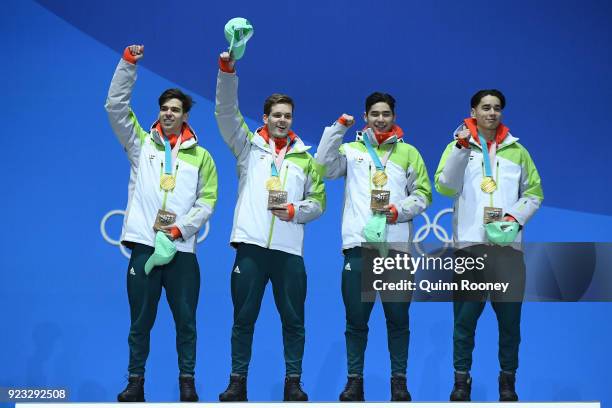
(273, 183)
(167, 182)
(488, 185)
(380, 178)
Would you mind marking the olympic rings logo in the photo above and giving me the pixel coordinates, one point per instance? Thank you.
(420, 235)
(440, 233)
(123, 249)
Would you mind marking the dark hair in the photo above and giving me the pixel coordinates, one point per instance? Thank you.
(275, 99)
(175, 93)
(484, 92)
(380, 97)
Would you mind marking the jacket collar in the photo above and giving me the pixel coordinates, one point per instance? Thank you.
(507, 140)
(396, 134)
(500, 134)
(189, 138)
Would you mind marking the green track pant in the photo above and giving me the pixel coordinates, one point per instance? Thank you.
(358, 316)
(253, 268)
(503, 264)
(181, 280)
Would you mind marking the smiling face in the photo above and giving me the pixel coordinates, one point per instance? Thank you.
(488, 113)
(171, 116)
(279, 120)
(380, 117)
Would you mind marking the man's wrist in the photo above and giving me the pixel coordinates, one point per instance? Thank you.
(127, 55)
(394, 213)
(291, 211)
(462, 144)
(226, 66)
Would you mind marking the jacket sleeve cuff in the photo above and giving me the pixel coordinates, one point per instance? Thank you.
(395, 214)
(464, 143)
(291, 211)
(175, 232)
(225, 66)
(127, 55)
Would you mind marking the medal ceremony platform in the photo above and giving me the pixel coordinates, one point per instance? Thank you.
(323, 405)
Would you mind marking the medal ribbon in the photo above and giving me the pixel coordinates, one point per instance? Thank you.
(380, 165)
(488, 156)
(171, 154)
(277, 160)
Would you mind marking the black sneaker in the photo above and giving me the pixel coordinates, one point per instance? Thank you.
(293, 389)
(399, 391)
(353, 390)
(236, 390)
(187, 388)
(463, 387)
(134, 391)
(506, 386)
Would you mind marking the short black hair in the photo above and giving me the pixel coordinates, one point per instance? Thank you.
(484, 92)
(379, 97)
(275, 99)
(175, 93)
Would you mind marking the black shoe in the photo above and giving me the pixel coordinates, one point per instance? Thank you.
(236, 390)
(399, 391)
(134, 391)
(353, 390)
(293, 389)
(506, 387)
(463, 387)
(187, 388)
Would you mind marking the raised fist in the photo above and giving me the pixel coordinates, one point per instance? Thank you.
(464, 134)
(346, 120)
(133, 53)
(226, 62)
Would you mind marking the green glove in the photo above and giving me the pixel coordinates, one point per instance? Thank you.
(237, 32)
(164, 252)
(502, 232)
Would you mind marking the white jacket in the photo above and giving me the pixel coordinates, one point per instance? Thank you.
(407, 181)
(253, 222)
(194, 197)
(460, 172)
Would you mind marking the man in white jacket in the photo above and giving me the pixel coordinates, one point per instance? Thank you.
(496, 190)
(279, 190)
(378, 160)
(173, 180)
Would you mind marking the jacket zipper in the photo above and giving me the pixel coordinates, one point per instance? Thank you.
(274, 216)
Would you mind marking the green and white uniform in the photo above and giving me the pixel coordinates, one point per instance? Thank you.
(410, 192)
(268, 249)
(519, 194)
(192, 200)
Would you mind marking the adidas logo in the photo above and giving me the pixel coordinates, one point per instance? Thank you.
(236, 269)
(132, 272)
(347, 267)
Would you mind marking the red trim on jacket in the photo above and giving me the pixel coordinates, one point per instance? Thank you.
(225, 66)
(395, 213)
(382, 136)
(127, 55)
(175, 232)
(278, 142)
(500, 134)
(291, 211)
(185, 133)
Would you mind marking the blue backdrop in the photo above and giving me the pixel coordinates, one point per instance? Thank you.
(63, 302)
